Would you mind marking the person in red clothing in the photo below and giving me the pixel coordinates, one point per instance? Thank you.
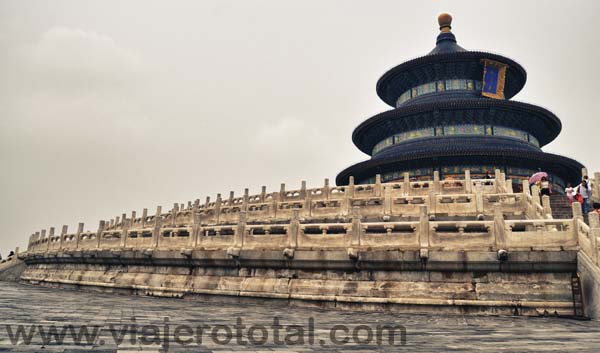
(596, 207)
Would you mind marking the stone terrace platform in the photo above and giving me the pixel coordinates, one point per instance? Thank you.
(34, 305)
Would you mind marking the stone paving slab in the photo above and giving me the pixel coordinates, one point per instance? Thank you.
(28, 307)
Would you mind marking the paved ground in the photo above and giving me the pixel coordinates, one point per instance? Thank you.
(129, 323)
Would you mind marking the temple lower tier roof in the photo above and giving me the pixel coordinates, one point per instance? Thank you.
(537, 121)
(464, 156)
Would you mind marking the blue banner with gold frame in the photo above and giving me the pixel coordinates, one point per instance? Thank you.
(494, 75)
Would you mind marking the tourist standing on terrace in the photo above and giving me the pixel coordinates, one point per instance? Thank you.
(569, 191)
(545, 187)
(585, 191)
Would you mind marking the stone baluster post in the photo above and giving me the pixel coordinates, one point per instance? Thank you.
(326, 189)
(240, 231)
(497, 181)
(535, 194)
(500, 229)
(594, 234)
(596, 186)
(218, 208)
(468, 182)
(356, 227)
(174, 212)
(348, 194)
(133, 216)
(101, 225)
(509, 186)
(272, 204)
(303, 190)
(157, 225)
(432, 202)
(377, 190)
(423, 232)
(406, 184)
(193, 241)
(526, 189)
(33, 238)
(245, 200)
(437, 186)
(144, 217)
(292, 237)
(577, 216)
(63, 233)
(124, 229)
(535, 200)
(231, 196)
(78, 235)
(282, 195)
(577, 211)
(263, 193)
(36, 237)
(479, 208)
(50, 235)
(307, 209)
(546, 206)
(46, 239)
(303, 193)
(350, 190)
(387, 200)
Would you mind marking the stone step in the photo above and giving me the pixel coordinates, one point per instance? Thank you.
(561, 206)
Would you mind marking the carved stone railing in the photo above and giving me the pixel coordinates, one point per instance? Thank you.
(465, 197)
(587, 234)
(353, 233)
(391, 215)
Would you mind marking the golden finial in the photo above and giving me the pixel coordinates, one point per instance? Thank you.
(445, 20)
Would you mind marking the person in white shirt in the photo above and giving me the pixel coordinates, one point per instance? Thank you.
(569, 191)
(585, 191)
(545, 187)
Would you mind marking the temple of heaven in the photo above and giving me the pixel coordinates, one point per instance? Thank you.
(452, 112)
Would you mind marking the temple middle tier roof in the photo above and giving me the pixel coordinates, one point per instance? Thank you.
(535, 120)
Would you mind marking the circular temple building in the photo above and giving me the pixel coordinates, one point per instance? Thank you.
(452, 112)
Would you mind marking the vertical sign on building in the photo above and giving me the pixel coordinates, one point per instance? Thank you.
(494, 75)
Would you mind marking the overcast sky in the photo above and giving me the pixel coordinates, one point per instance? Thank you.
(112, 106)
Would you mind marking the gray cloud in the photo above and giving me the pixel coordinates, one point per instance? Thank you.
(110, 106)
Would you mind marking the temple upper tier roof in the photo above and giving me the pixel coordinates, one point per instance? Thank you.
(446, 61)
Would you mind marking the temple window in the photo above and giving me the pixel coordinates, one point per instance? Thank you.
(439, 86)
(453, 130)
